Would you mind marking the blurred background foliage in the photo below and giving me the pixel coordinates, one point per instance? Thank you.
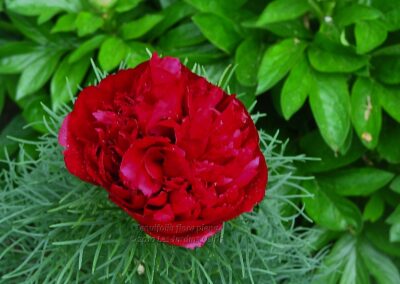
(327, 73)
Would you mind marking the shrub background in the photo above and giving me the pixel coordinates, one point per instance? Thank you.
(326, 72)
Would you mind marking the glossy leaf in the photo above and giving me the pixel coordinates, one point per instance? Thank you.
(87, 23)
(247, 59)
(330, 105)
(139, 27)
(366, 112)
(356, 181)
(277, 62)
(16, 56)
(219, 31)
(126, 5)
(86, 47)
(390, 100)
(37, 74)
(283, 10)
(112, 52)
(374, 208)
(330, 210)
(66, 80)
(388, 147)
(335, 61)
(353, 13)
(386, 69)
(296, 88)
(36, 7)
(395, 185)
(65, 23)
(379, 265)
(369, 35)
(378, 234)
(184, 35)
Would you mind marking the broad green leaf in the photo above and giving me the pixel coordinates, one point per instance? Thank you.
(388, 50)
(369, 35)
(355, 271)
(330, 270)
(137, 53)
(37, 74)
(283, 10)
(187, 34)
(66, 80)
(126, 5)
(366, 112)
(277, 62)
(374, 208)
(219, 31)
(350, 14)
(16, 56)
(36, 7)
(29, 28)
(65, 23)
(395, 232)
(47, 15)
(139, 27)
(356, 181)
(378, 234)
(386, 69)
(112, 52)
(390, 100)
(394, 217)
(391, 11)
(229, 10)
(388, 147)
(330, 210)
(171, 15)
(335, 61)
(314, 146)
(247, 59)
(319, 237)
(379, 265)
(395, 185)
(296, 88)
(87, 23)
(86, 47)
(330, 105)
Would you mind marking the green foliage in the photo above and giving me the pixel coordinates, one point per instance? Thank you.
(327, 72)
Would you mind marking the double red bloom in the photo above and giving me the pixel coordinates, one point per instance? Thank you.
(174, 151)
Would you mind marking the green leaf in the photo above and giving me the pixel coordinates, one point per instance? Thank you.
(343, 264)
(33, 111)
(87, 23)
(36, 7)
(187, 34)
(390, 100)
(247, 58)
(379, 265)
(356, 181)
(283, 10)
(126, 5)
(66, 80)
(374, 208)
(330, 210)
(296, 88)
(335, 61)
(277, 62)
(369, 35)
(47, 15)
(137, 53)
(330, 105)
(366, 112)
(395, 232)
(112, 52)
(386, 69)
(16, 56)
(29, 28)
(353, 13)
(388, 147)
(395, 185)
(65, 23)
(313, 146)
(378, 234)
(219, 31)
(140, 27)
(86, 47)
(202, 54)
(37, 74)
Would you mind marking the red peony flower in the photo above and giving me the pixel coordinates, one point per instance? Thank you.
(177, 153)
